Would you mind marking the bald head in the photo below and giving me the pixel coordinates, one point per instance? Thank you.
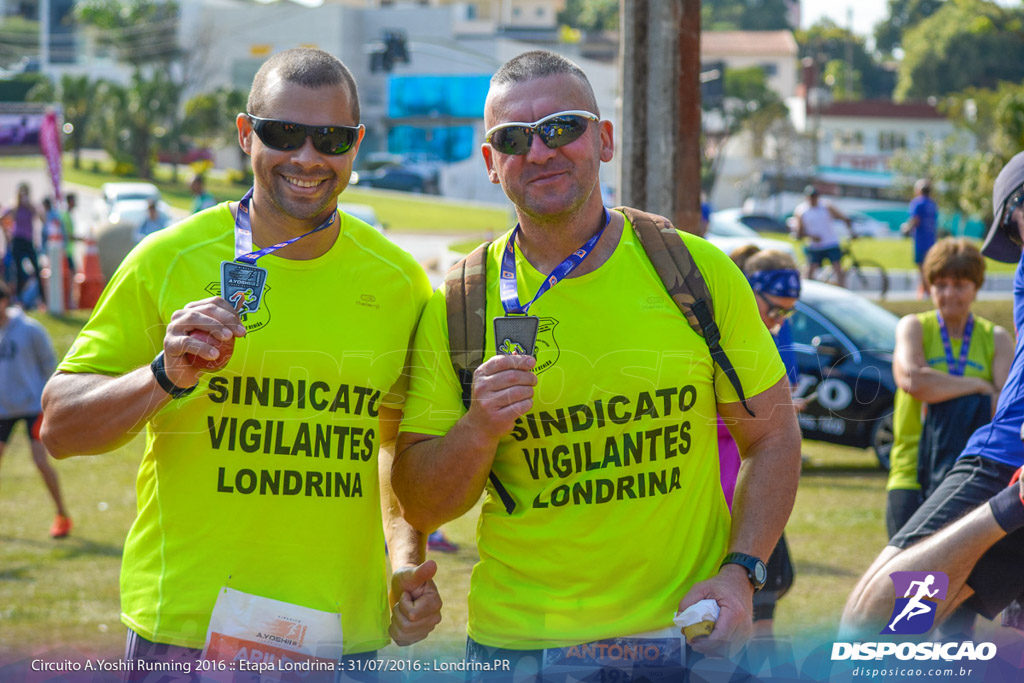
(540, 64)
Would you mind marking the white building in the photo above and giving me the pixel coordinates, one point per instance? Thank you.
(775, 52)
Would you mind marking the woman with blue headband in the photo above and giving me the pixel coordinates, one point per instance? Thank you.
(775, 280)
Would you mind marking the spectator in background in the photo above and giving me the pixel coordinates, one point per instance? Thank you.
(705, 215)
(25, 215)
(26, 361)
(201, 199)
(51, 220)
(775, 280)
(921, 224)
(949, 363)
(68, 226)
(151, 223)
(814, 220)
(949, 367)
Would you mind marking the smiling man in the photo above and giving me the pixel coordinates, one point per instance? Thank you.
(268, 418)
(610, 515)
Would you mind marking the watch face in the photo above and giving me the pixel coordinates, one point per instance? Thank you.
(760, 572)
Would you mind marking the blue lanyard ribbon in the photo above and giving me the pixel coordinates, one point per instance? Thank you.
(965, 344)
(507, 283)
(243, 233)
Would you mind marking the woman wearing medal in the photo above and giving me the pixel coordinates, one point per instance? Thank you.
(949, 366)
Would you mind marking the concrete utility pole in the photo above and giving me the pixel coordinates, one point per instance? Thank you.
(661, 119)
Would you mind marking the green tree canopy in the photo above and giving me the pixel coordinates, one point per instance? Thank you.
(591, 15)
(744, 15)
(826, 42)
(965, 43)
(903, 14)
(141, 31)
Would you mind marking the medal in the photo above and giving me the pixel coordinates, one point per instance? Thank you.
(515, 333)
(242, 282)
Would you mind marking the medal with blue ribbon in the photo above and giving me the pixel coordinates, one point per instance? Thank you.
(242, 282)
(516, 332)
(960, 366)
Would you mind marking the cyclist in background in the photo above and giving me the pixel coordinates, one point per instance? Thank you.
(815, 220)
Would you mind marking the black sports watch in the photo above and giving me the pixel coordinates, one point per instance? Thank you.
(756, 571)
(160, 372)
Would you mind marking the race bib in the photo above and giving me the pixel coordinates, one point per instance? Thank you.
(276, 635)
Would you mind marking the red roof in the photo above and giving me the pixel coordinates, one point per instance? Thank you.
(882, 109)
(747, 43)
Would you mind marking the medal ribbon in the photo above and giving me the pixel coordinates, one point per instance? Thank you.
(243, 233)
(507, 282)
(961, 365)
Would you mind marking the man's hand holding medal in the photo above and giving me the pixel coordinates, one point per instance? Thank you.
(200, 338)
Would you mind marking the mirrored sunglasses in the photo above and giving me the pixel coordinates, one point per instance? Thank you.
(774, 310)
(556, 130)
(288, 135)
(1009, 226)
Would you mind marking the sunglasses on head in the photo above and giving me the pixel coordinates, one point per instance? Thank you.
(556, 130)
(1009, 226)
(287, 135)
(774, 310)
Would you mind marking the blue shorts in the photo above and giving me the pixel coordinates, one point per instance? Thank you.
(818, 256)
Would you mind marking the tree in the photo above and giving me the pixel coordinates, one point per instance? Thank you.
(744, 15)
(76, 95)
(965, 43)
(141, 31)
(591, 15)
(903, 15)
(210, 120)
(133, 118)
(991, 121)
(826, 42)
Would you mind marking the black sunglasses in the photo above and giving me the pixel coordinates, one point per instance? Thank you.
(556, 130)
(1008, 225)
(287, 135)
(774, 310)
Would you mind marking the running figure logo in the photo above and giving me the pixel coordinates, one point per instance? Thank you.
(511, 348)
(914, 613)
(240, 298)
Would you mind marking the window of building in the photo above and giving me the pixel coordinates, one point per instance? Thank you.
(769, 68)
(848, 141)
(889, 141)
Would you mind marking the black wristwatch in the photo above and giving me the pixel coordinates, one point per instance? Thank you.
(160, 372)
(756, 571)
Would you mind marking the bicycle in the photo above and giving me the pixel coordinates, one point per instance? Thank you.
(855, 273)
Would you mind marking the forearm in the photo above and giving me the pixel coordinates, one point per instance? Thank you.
(765, 493)
(931, 386)
(406, 546)
(87, 414)
(438, 479)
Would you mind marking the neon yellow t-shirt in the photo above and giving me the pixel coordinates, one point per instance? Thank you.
(615, 470)
(907, 422)
(265, 478)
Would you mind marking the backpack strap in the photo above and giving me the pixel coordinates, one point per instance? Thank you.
(675, 266)
(466, 303)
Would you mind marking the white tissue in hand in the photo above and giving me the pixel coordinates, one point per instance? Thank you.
(705, 610)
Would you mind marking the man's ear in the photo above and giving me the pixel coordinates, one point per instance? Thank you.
(245, 133)
(488, 153)
(607, 141)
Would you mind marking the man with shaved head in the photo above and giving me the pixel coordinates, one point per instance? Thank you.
(262, 346)
(593, 435)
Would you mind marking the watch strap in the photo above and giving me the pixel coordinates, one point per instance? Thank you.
(751, 564)
(160, 373)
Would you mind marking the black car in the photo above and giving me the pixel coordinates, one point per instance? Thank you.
(844, 345)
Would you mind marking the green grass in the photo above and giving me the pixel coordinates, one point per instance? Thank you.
(897, 254)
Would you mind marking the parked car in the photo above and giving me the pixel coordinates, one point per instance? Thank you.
(727, 233)
(406, 178)
(844, 345)
(115, 192)
(758, 222)
(363, 212)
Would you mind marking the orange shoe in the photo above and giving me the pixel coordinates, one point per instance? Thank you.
(61, 527)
